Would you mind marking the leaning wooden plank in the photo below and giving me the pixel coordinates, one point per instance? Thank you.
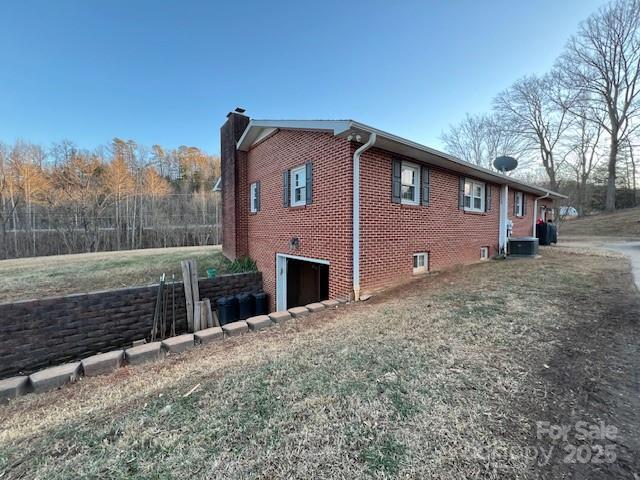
(204, 322)
(216, 321)
(196, 317)
(188, 295)
(193, 268)
(207, 309)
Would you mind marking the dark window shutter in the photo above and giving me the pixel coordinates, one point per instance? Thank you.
(396, 180)
(286, 176)
(487, 199)
(425, 177)
(250, 199)
(515, 207)
(258, 196)
(524, 204)
(461, 194)
(309, 185)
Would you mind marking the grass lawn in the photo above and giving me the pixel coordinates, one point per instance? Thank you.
(39, 277)
(408, 384)
(621, 223)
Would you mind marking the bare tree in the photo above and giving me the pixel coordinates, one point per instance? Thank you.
(584, 139)
(602, 63)
(479, 139)
(533, 110)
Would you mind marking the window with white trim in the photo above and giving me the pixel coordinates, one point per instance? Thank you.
(420, 263)
(519, 205)
(474, 195)
(253, 189)
(299, 186)
(410, 184)
(484, 253)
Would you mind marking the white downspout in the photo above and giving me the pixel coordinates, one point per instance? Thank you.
(502, 230)
(535, 213)
(356, 214)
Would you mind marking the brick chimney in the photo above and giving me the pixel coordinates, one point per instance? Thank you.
(234, 186)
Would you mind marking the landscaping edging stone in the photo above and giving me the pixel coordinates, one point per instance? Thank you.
(102, 363)
(297, 312)
(13, 387)
(55, 377)
(179, 344)
(149, 352)
(315, 307)
(209, 335)
(235, 328)
(280, 317)
(259, 322)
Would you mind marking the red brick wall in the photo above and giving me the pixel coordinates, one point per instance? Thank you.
(391, 233)
(522, 226)
(324, 227)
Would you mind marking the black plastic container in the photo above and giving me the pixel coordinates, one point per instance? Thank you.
(227, 310)
(245, 305)
(260, 303)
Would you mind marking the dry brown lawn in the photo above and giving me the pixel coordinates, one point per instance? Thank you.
(622, 223)
(39, 277)
(409, 384)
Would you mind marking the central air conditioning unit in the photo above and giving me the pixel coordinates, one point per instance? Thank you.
(523, 246)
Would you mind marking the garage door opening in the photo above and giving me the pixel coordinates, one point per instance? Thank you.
(301, 281)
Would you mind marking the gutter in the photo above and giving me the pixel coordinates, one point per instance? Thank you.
(356, 214)
(535, 212)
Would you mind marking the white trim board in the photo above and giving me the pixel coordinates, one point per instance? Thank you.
(281, 276)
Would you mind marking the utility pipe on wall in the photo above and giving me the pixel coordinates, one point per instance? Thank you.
(504, 218)
(535, 213)
(356, 214)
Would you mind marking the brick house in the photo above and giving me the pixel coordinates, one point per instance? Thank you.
(288, 203)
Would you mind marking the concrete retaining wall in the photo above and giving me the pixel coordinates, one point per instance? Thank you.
(39, 333)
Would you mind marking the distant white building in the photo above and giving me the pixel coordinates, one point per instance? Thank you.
(568, 212)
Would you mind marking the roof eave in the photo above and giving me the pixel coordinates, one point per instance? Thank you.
(395, 144)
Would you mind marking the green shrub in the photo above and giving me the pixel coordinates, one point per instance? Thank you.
(242, 264)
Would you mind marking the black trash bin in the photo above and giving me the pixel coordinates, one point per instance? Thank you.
(245, 305)
(227, 310)
(553, 233)
(542, 232)
(260, 303)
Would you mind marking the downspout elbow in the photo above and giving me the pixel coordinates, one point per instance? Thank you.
(535, 213)
(356, 214)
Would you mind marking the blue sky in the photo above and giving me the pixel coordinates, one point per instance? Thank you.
(167, 72)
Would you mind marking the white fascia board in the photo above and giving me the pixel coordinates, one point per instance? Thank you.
(412, 149)
(255, 127)
(393, 143)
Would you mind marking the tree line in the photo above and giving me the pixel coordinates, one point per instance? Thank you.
(577, 124)
(64, 199)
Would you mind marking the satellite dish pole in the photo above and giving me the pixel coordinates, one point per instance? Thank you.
(504, 164)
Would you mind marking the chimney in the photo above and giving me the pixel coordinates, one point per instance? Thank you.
(234, 189)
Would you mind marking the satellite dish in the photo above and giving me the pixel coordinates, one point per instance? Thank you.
(505, 164)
